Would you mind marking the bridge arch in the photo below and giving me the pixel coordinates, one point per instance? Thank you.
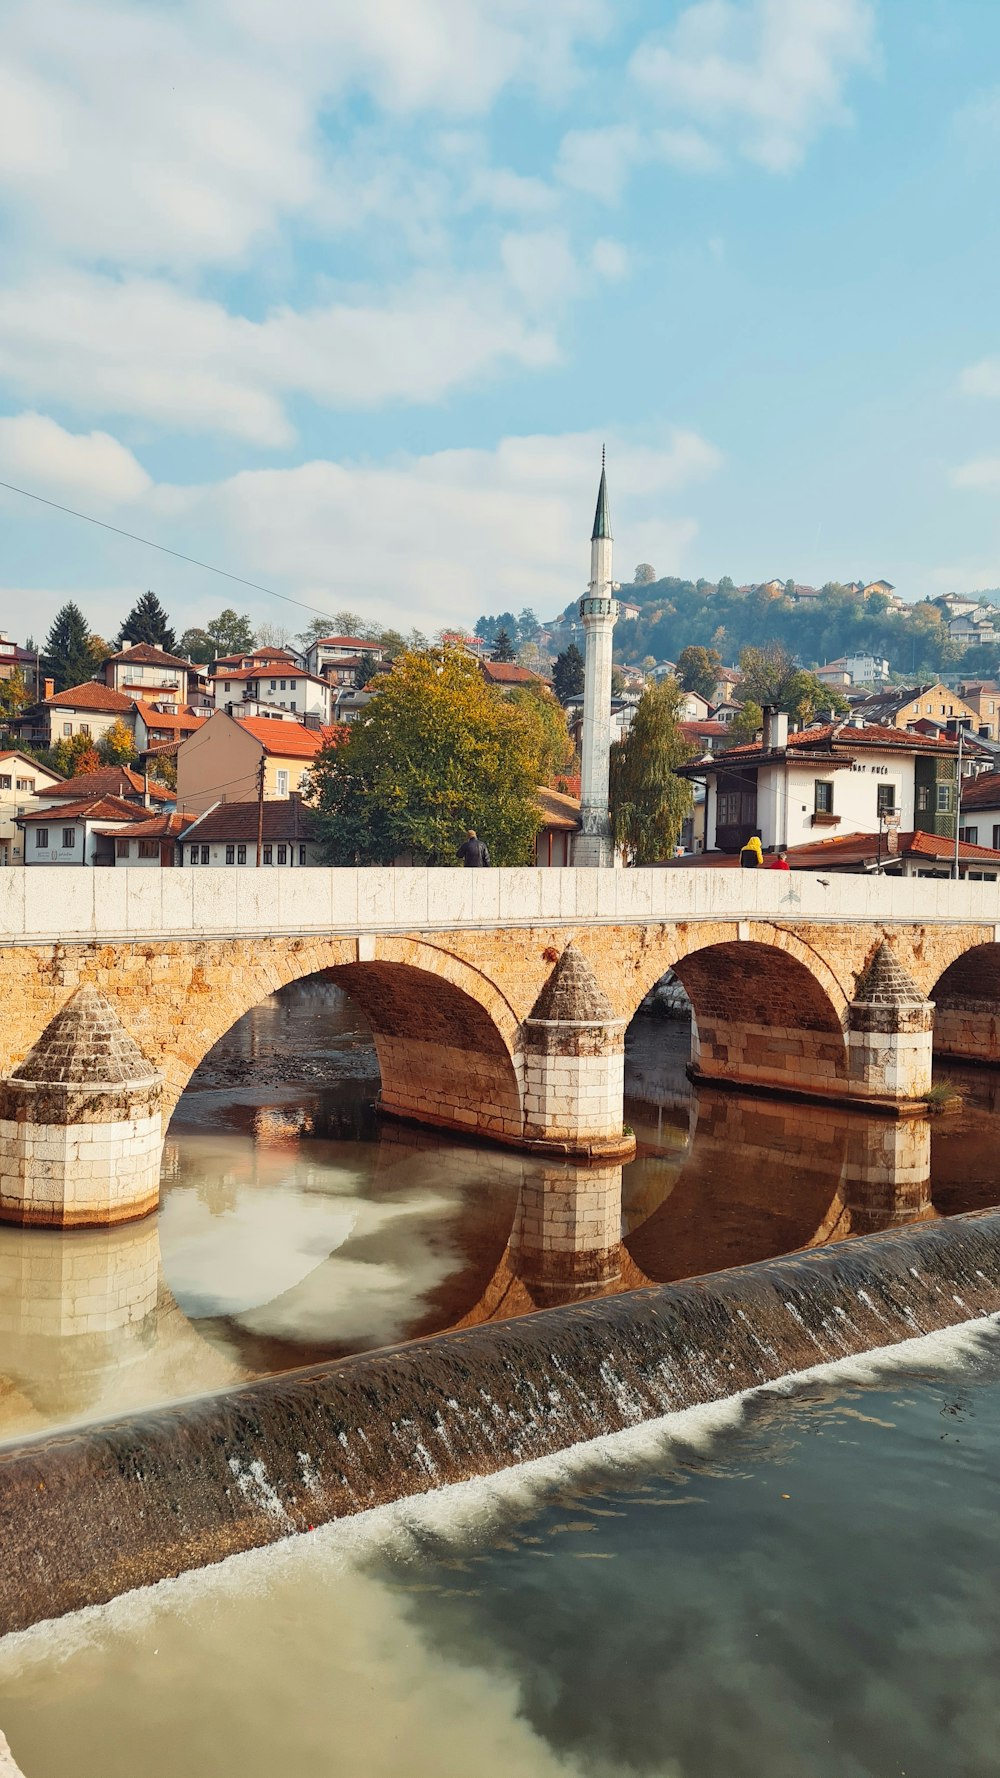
(445, 1037)
(966, 998)
(768, 1011)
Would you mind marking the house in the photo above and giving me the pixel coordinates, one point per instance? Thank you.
(897, 706)
(983, 697)
(227, 835)
(76, 833)
(974, 630)
(118, 781)
(851, 775)
(265, 659)
(560, 813)
(224, 761)
(164, 725)
(88, 709)
(693, 707)
(327, 650)
(14, 659)
(835, 673)
(252, 690)
(854, 669)
(980, 818)
(955, 605)
(151, 841)
(151, 675)
(22, 781)
(627, 612)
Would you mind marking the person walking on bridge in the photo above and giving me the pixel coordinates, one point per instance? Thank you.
(473, 851)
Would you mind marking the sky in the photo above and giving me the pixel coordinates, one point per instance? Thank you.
(345, 299)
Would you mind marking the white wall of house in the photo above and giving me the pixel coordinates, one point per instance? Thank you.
(64, 721)
(277, 854)
(66, 842)
(787, 798)
(20, 779)
(299, 693)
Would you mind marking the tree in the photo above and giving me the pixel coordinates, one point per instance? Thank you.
(147, 622)
(745, 726)
(725, 587)
(117, 747)
(197, 645)
(553, 740)
(644, 575)
(503, 647)
(67, 654)
(648, 800)
(568, 674)
(366, 669)
(436, 751)
(698, 670)
(14, 695)
(231, 633)
(100, 651)
(75, 754)
(789, 589)
(274, 636)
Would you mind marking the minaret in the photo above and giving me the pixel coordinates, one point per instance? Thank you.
(599, 611)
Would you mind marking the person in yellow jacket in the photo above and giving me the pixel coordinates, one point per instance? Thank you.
(752, 854)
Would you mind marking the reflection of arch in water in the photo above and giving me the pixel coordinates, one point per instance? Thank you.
(767, 1012)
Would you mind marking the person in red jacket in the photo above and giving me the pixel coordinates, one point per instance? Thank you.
(779, 862)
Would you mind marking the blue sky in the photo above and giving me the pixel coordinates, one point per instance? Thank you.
(344, 299)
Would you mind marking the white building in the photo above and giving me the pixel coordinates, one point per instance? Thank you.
(338, 657)
(281, 686)
(77, 833)
(21, 779)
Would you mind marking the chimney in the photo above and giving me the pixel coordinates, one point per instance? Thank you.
(767, 733)
(779, 729)
(892, 841)
(48, 688)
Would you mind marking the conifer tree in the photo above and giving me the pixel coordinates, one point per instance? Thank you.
(66, 654)
(503, 647)
(648, 801)
(148, 622)
(567, 674)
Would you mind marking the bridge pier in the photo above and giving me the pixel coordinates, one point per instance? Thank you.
(574, 1067)
(80, 1124)
(567, 1235)
(890, 1036)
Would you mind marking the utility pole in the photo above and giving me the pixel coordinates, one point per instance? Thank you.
(958, 802)
(260, 805)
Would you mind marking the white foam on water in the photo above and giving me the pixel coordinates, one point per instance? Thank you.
(477, 1510)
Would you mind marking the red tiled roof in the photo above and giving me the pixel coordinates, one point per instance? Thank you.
(848, 849)
(704, 730)
(99, 808)
(109, 781)
(508, 673)
(824, 735)
(982, 792)
(183, 721)
(159, 827)
(14, 753)
(91, 696)
(557, 809)
(151, 657)
(285, 818)
(288, 740)
(282, 671)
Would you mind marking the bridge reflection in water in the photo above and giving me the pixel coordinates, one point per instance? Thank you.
(307, 1232)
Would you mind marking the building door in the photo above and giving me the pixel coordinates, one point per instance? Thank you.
(166, 853)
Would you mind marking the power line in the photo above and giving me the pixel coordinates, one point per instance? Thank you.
(165, 550)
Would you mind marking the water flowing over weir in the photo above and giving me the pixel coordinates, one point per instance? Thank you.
(89, 1515)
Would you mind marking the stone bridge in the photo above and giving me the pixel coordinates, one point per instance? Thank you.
(498, 1000)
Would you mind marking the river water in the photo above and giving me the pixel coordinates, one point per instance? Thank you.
(294, 1227)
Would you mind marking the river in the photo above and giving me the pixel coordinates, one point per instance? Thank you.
(294, 1226)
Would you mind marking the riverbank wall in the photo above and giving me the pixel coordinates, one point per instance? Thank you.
(87, 1515)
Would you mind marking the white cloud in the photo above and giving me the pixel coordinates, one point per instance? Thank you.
(37, 451)
(140, 347)
(428, 540)
(599, 161)
(768, 74)
(982, 379)
(610, 260)
(980, 472)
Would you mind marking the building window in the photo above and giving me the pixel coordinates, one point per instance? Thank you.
(996, 839)
(729, 808)
(284, 684)
(149, 849)
(302, 855)
(241, 855)
(944, 799)
(69, 838)
(282, 854)
(886, 799)
(85, 728)
(194, 854)
(204, 854)
(67, 728)
(122, 848)
(923, 798)
(230, 854)
(274, 685)
(23, 784)
(281, 779)
(42, 839)
(823, 792)
(4, 784)
(268, 859)
(229, 685)
(292, 705)
(970, 835)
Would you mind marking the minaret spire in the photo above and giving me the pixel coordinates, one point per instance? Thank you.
(599, 612)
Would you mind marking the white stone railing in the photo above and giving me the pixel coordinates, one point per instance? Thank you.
(50, 903)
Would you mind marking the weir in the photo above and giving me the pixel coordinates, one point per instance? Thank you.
(86, 1516)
